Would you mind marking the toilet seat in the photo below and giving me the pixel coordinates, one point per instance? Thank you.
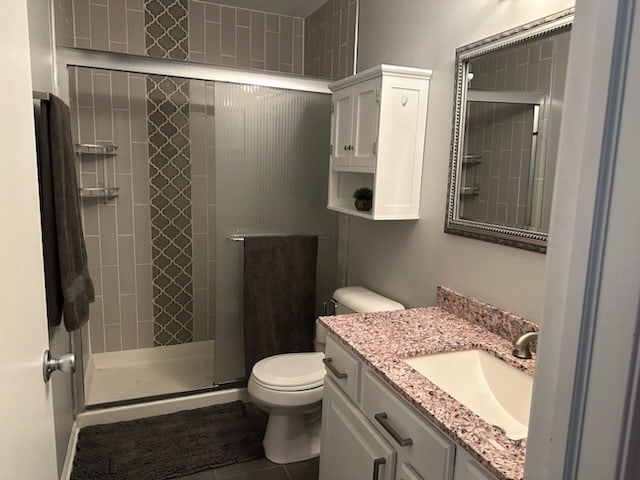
(290, 372)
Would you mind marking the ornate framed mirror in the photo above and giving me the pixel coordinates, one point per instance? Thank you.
(508, 107)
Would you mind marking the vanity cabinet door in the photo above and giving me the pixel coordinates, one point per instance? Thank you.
(405, 472)
(468, 469)
(341, 127)
(350, 448)
(366, 108)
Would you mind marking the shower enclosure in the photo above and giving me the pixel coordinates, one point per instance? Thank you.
(175, 171)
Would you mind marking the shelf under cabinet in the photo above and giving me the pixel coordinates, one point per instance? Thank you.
(351, 211)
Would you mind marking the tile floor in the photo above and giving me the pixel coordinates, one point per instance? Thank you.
(261, 469)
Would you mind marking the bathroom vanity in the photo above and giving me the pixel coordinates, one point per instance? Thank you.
(384, 420)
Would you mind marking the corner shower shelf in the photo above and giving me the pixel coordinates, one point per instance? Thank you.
(95, 149)
(471, 159)
(469, 191)
(106, 193)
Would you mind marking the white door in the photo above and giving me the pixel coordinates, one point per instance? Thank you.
(27, 439)
(588, 362)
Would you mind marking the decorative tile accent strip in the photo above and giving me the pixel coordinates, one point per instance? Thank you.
(166, 25)
(500, 322)
(170, 190)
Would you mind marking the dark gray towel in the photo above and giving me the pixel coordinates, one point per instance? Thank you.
(279, 295)
(47, 217)
(77, 288)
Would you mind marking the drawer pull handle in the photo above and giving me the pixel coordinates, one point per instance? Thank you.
(381, 418)
(328, 362)
(376, 467)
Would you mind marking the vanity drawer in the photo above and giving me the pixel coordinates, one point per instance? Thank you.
(342, 367)
(428, 451)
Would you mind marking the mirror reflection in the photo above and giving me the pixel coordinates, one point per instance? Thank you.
(506, 131)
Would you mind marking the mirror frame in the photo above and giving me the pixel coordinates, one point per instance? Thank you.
(514, 237)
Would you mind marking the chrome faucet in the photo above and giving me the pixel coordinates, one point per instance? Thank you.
(521, 345)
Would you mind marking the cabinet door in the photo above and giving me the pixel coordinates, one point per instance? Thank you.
(350, 448)
(468, 469)
(405, 472)
(365, 124)
(341, 128)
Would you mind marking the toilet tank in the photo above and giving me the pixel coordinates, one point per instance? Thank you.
(355, 300)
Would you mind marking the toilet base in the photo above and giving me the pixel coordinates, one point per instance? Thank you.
(292, 438)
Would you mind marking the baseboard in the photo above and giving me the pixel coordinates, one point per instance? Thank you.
(160, 407)
(71, 452)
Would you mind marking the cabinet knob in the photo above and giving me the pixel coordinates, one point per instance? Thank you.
(345, 148)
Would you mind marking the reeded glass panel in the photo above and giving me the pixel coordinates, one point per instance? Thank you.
(271, 168)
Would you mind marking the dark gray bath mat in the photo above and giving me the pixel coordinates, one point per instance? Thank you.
(167, 446)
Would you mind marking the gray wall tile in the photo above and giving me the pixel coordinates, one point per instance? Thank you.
(108, 241)
(99, 26)
(257, 35)
(243, 17)
(120, 90)
(145, 334)
(140, 169)
(200, 260)
(200, 314)
(81, 19)
(212, 12)
(271, 51)
(127, 269)
(64, 22)
(129, 322)
(142, 219)
(92, 244)
(96, 326)
(110, 295)
(243, 57)
(228, 37)
(122, 139)
(135, 32)
(118, 21)
(90, 220)
(212, 43)
(144, 292)
(112, 338)
(272, 23)
(102, 102)
(196, 27)
(135, 5)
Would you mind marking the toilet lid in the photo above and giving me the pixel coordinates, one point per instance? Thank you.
(291, 371)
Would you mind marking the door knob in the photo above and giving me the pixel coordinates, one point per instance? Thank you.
(66, 364)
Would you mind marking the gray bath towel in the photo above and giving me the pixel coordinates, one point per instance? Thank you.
(76, 285)
(47, 216)
(279, 296)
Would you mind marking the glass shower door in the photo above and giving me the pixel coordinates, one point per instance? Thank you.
(271, 170)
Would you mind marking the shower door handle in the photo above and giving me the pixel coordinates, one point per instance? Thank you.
(66, 364)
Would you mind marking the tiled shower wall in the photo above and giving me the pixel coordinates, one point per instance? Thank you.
(329, 40)
(194, 30)
(497, 131)
(112, 107)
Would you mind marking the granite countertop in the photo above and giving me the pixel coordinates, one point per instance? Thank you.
(383, 339)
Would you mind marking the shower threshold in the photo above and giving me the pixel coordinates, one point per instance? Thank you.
(148, 372)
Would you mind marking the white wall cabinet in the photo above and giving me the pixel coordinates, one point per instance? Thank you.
(363, 419)
(377, 140)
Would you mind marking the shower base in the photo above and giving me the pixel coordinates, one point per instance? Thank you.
(146, 372)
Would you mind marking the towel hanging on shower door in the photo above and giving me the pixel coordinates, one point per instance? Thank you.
(279, 295)
(68, 286)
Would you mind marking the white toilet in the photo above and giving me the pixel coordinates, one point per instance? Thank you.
(289, 386)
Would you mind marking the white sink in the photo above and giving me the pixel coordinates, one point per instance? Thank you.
(491, 388)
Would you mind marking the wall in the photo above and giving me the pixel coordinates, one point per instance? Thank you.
(194, 30)
(426, 34)
(329, 40)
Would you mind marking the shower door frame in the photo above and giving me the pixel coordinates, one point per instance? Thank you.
(66, 57)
